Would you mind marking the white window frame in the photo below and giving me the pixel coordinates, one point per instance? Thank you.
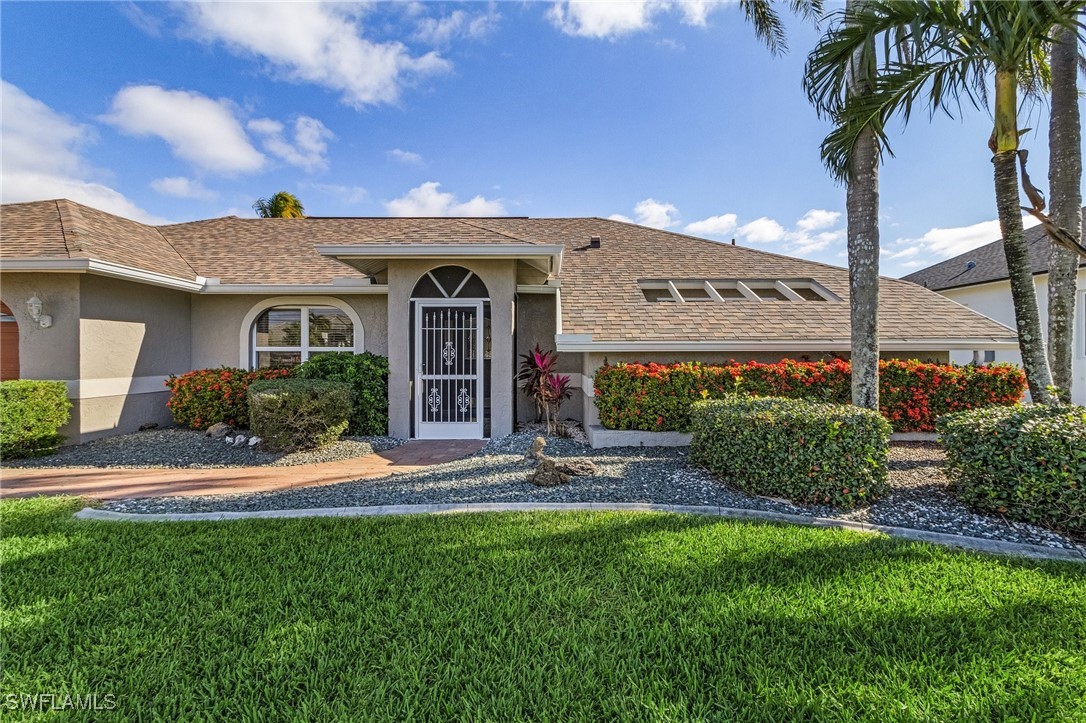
(747, 287)
(247, 340)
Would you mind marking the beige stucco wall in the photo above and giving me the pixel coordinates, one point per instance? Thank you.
(500, 279)
(537, 324)
(217, 322)
(51, 353)
(131, 337)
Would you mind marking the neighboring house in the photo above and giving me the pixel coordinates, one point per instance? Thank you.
(978, 279)
(451, 302)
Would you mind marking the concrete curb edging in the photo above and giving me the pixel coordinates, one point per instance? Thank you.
(978, 544)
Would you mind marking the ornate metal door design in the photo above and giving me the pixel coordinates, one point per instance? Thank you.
(448, 369)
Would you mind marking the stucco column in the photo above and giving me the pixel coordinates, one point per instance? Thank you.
(401, 280)
(500, 279)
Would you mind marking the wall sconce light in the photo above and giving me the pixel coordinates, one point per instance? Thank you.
(34, 306)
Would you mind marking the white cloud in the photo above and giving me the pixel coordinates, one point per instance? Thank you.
(141, 18)
(943, 243)
(721, 225)
(181, 187)
(200, 130)
(812, 233)
(427, 200)
(817, 218)
(309, 148)
(42, 160)
(458, 24)
(409, 157)
(762, 230)
(651, 212)
(616, 18)
(315, 43)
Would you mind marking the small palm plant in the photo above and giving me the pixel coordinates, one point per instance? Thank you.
(547, 389)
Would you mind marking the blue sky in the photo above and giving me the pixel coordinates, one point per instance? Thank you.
(669, 114)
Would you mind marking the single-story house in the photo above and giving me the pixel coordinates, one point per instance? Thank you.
(113, 306)
(979, 279)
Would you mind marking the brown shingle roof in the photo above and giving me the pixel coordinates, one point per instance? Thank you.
(600, 292)
(63, 229)
(601, 296)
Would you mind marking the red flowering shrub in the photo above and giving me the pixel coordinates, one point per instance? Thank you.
(913, 394)
(205, 397)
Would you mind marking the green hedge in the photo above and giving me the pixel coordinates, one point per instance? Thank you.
(290, 414)
(804, 451)
(913, 394)
(31, 415)
(1025, 462)
(368, 376)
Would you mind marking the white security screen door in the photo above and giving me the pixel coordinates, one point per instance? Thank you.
(448, 369)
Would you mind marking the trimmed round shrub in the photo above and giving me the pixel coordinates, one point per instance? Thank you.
(657, 397)
(31, 415)
(368, 376)
(205, 397)
(291, 414)
(1025, 462)
(808, 452)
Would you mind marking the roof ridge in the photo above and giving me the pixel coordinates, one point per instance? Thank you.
(72, 224)
(478, 225)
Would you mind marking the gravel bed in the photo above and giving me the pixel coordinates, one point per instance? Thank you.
(920, 498)
(185, 448)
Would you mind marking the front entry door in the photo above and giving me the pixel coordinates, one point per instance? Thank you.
(448, 369)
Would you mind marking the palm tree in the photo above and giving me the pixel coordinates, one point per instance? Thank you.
(1065, 190)
(947, 52)
(281, 205)
(768, 26)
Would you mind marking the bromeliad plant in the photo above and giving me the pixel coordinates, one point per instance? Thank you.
(546, 388)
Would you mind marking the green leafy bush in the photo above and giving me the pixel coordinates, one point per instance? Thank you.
(204, 397)
(804, 451)
(1025, 462)
(913, 394)
(31, 414)
(368, 376)
(290, 414)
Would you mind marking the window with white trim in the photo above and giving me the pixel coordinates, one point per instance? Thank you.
(287, 335)
(698, 290)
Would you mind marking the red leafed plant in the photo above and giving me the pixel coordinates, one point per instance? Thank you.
(547, 389)
(204, 397)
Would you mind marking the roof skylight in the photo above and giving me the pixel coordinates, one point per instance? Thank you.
(767, 290)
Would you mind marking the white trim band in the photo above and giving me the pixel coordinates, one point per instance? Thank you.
(115, 387)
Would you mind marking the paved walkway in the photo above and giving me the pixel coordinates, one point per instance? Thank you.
(113, 484)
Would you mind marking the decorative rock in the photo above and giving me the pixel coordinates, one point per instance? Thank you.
(149, 425)
(239, 440)
(218, 431)
(577, 467)
(536, 450)
(253, 441)
(547, 475)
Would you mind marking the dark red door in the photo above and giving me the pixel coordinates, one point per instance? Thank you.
(9, 344)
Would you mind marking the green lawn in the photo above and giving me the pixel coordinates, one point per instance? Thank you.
(546, 616)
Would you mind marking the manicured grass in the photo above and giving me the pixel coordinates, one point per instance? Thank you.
(531, 616)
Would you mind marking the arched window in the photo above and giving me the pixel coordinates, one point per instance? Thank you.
(283, 336)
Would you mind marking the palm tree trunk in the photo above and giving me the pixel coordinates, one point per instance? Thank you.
(1026, 316)
(862, 205)
(1065, 188)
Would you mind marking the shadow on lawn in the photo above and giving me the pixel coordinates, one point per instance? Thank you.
(549, 615)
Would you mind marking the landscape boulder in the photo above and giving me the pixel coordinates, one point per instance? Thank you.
(219, 430)
(552, 472)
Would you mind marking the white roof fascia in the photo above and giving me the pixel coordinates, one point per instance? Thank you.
(101, 268)
(585, 343)
(553, 252)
